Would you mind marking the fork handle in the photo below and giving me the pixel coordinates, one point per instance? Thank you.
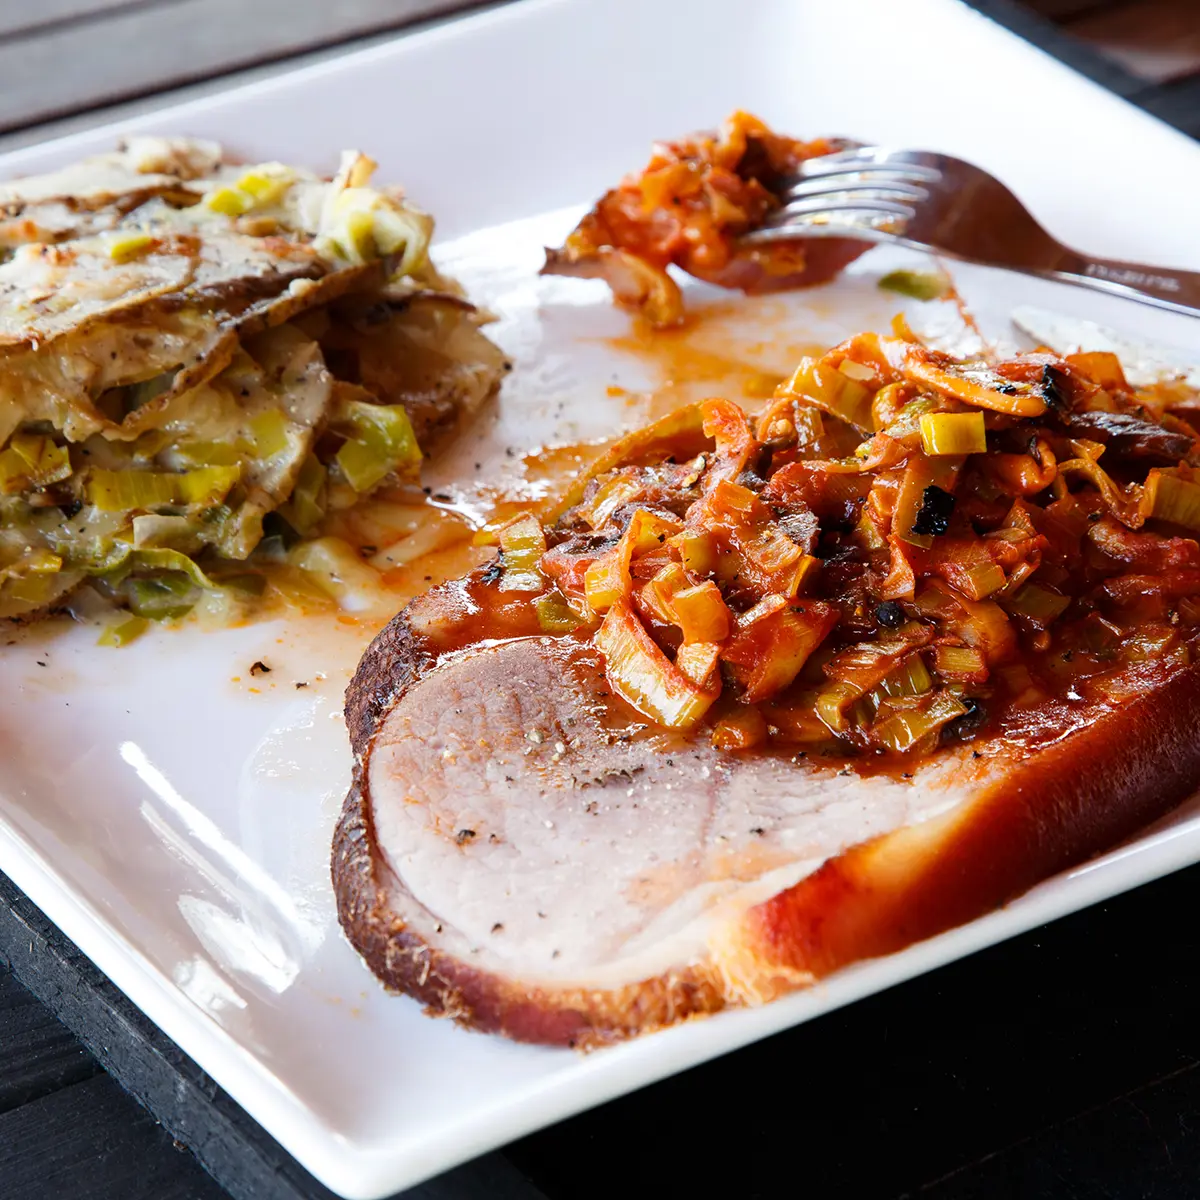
(1162, 287)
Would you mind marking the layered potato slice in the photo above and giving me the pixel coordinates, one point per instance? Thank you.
(196, 356)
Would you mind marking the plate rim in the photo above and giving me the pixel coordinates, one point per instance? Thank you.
(370, 1174)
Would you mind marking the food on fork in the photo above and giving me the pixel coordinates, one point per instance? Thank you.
(199, 360)
(688, 207)
(771, 696)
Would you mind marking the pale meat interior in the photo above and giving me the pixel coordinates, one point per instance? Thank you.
(532, 835)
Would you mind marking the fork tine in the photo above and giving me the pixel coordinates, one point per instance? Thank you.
(839, 202)
(874, 184)
(863, 159)
(872, 224)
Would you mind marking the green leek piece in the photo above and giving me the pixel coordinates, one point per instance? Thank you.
(38, 587)
(160, 598)
(832, 704)
(382, 441)
(155, 559)
(305, 508)
(953, 433)
(120, 491)
(125, 247)
(522, 544)
(211, 454)
(32, 461)
(554, 614)
(902, 730)
(162, 559)
(833, 392)
(920, 285)
(1169, 498)
(984, 579)
(959, 660)
(908, 420)
(230, 202)
(269, 433)
(249, 583)
(123, 632)
(153, 531)
(1039, 605)
(911, 678)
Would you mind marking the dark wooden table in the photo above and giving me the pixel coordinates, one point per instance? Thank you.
(1065, 1063)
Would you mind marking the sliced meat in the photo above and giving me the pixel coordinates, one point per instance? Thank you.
(520, 852)
(1130, 438)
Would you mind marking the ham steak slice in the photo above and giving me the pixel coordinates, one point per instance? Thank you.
(521, 852)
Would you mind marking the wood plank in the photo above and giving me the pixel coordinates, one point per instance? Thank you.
(38, 1053)
(140, 49)
(233, 1147)
(936, 1076)
(20, 16)
(91, 1141)
(1156, 40)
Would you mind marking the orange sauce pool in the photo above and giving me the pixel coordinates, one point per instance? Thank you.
(740, 349)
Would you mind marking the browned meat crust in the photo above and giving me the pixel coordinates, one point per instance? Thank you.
(1067, 802)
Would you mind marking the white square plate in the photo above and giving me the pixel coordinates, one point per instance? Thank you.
(173, 814)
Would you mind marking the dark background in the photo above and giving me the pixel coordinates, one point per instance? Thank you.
(1060, 1064)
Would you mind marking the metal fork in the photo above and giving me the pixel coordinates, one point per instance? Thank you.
(930, 201)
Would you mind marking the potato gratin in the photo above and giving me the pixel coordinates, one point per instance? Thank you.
(200, 363)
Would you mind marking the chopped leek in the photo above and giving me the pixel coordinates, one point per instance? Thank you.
(123, 632)
(953, 433)
(229, 202)
(210, 454)
(162, 559)
(32, 461)
(658, 594)
(607, 579)
(161, 598)
(960, 662)
(609, 496)
(904, 729)
(832, 703)
(554, 614)
(269, 433)
(742, 729)
(126, 247)
(832, 391)
(906, 424)
(699, 662)
(522, 544)
(1167, 497)
(336, 568)
(920, 285)
(359, 224)
(642, 675)
(697, 550)
(267, 184)
(701, 612)
(152, 530)
(1038, 605)
(120, 491)
(911, 678)
(383, 441)
(981, 580)
(306, 505)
